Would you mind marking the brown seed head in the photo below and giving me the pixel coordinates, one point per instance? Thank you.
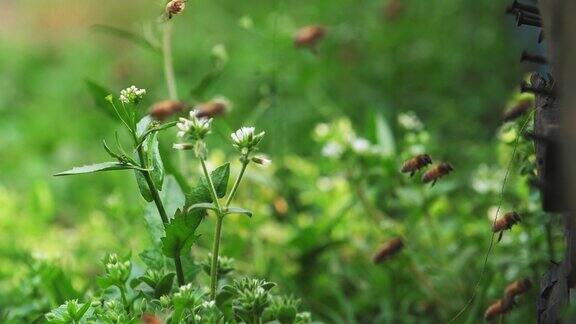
(166, 108)
(175, 7)
(388, 250)
(309, 36)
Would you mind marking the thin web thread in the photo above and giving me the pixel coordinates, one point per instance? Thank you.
(491, 246)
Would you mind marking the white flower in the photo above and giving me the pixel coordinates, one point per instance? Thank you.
(182, 146)
(195, 128)
(262, 160)
(132, 95)
(332, 149)
(360, 145)
(246, 138)
(208, 304)
(410, 121)
(321, 131)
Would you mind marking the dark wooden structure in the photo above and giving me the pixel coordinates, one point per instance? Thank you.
(555, 142)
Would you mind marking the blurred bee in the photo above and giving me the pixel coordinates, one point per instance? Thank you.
(416, 163)
(213, 108)
(388, 250)
(521, 107)
(516, 288)
(309, 36)
(505, 222)
(498, 308)
(150, 319)
(437, 172)
(393, 9)
(166, 108)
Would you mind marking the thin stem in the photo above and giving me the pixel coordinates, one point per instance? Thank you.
(161, 211)
(168, 64)
(236, 184)
(215, 254)
(211, 188)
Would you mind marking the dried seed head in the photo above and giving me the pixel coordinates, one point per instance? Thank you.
(166, 108)
(388, 250)
(175, 7)
(213, 108)
(309, 36)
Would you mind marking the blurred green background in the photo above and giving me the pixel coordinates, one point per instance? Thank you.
(453, 63)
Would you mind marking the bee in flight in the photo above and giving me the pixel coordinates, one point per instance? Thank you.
(416, 163)
(388, 250)
(505, 222)
(516, 288)
(437, 172)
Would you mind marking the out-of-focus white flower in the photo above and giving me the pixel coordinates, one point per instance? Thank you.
(332, 149)
(410, 121)
(321, 131)
(246, 22)
(220, 54)
(487, 179)
(194, 128)
(132, 95)
(262, 160)
(360, 145)
(245, 139)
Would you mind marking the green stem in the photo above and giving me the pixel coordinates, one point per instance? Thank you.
(211, 188)
(215, 253)
(237, 183)
(161, 211)
(168, 64)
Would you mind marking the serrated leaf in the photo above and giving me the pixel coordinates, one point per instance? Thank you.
(164, 286)
(220, 179)
(172, 198)
(135, 39)
(98, 94)
(99, 167)
(154, 160)
(180, 234)
(238, 210)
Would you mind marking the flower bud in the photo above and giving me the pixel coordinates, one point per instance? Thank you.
(245, 139)
(309, 36)
(166, 108)
(175, 7)
(262, 160)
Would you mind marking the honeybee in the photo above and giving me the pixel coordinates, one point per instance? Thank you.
(437, 172)
(150, 319)
(388, 250)
(166, 108)
(213, 108)
(505, 222)
(517, 110)
(494, 310)
(416, 163)
(309, 36)
(516, 288)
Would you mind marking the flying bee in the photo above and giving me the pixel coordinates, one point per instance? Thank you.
(437, 172)
(496, 309)
(309, 36)
(517, 110)
(388, 250)
(166, 108)
(505, 222)
(416, 163)
(213, 108)
(516, 288)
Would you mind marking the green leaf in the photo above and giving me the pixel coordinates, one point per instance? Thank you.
(154, 160)
(220, 179)
(172, 198)
(384, 136)
(202, 206)
(238, 210)
(117, 32)
(99, 167)
(143, 125)
(180, 234)
(98, 94)
(164, 286)
(143, 186)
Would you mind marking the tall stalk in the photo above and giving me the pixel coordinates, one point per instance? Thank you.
(168, 64)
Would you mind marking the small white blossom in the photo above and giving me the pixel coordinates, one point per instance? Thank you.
(132, 95)
(410, 121)
(195, 128)
(182, 146)
(262, 160)
(332, 149)
(360, 145)
(246, 139)
(321, 131)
